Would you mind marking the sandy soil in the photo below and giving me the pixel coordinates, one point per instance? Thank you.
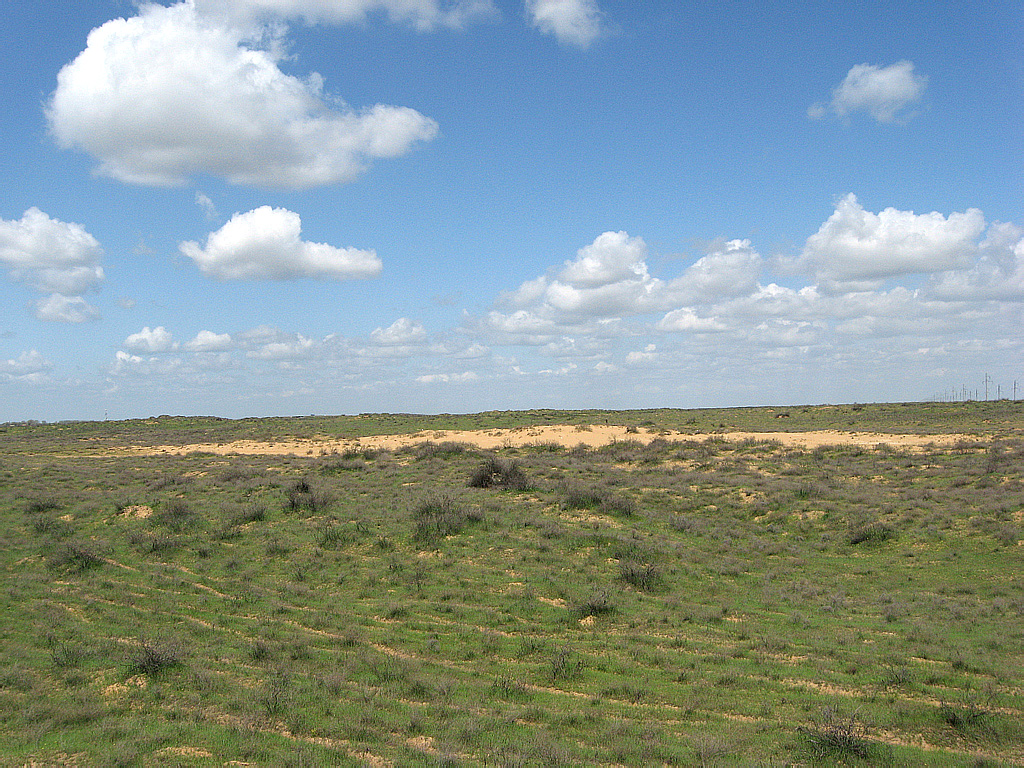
(564, 435)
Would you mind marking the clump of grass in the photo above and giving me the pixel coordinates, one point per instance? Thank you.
(440, 516)
(617, 504)
(74, 557)
(176, 514)
(444, 450)
(329, 534)
(871, 533)
(595, 605)
(151, 658)
(302, 495)
(565, 664)
(640, 575)
(576, 496)
(509, 688)
(835, 737)
(253, 513)
(966, 718)
(499, 473)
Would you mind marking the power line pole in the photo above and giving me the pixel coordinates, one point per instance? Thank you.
(987, 380)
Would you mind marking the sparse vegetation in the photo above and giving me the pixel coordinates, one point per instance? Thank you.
(664, 600)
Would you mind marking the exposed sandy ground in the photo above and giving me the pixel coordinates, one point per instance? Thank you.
(564, 435)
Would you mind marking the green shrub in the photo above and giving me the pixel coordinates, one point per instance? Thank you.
(152, 658)
(440, 516)
(871, 533)
(640, 575)
(834, 737)
(499, 473)
(74, 557)
(302, 495)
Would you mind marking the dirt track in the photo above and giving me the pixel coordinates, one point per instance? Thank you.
(564, 435)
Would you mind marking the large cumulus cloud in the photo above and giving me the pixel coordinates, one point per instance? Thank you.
(53, 257)
(266, 244)
(171, 93)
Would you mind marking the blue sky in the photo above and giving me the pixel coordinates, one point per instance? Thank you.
(262, 207)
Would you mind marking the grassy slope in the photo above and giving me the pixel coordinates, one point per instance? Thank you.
(682, 604)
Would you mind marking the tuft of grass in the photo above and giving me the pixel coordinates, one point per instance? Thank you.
(871, 533)
(440, 516)
(834, 737)
(74, 557)
(499, 473)
(152, 658)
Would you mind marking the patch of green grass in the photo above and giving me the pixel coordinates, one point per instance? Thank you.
(647, 603)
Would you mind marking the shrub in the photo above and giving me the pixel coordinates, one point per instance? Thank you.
(301, 495)
(499, 473)
(640, 575)
(446, 450)
(835, 737)
(152, 658)
(617, 505)
(871, 533)
(330, 535)
(579, 497)
(565, 664)
(74, 557)
(438, 517)
(175, 514)
(595, 605)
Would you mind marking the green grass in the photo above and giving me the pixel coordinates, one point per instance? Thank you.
(678, 603)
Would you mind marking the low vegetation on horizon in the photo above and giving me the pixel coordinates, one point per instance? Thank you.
(649, 602)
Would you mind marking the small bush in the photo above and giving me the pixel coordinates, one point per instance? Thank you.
(617, 505)
(580, 497)
(640, 575)
(499, 473)
(438, 517)
(598, 603)
(329, 535)
(254, 513)
(834, 737)
(152, 658)
(565, 664)
(301, 495)
(871, 533)
(175, 514)
(446, 450)
(74, 557)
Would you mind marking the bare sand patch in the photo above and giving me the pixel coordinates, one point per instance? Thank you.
(565, 435)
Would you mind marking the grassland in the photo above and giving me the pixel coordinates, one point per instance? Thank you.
(649, 602)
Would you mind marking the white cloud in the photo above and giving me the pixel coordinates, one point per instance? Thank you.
(169, 93)
(609, 280)
(447, 378)
(58, 308)
(204, 202)
(648, 355)
(295, 348)
(731, 269)
(424, 15)
(402, 331)
(882, 92)
(686, 320)
(265, 244)
(157, 339)
(998, 273)
(856, 248)
(29, 366)
(50, 255)
(208, 341)
(573, 22)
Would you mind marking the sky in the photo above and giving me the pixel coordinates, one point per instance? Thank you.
(286, 207)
